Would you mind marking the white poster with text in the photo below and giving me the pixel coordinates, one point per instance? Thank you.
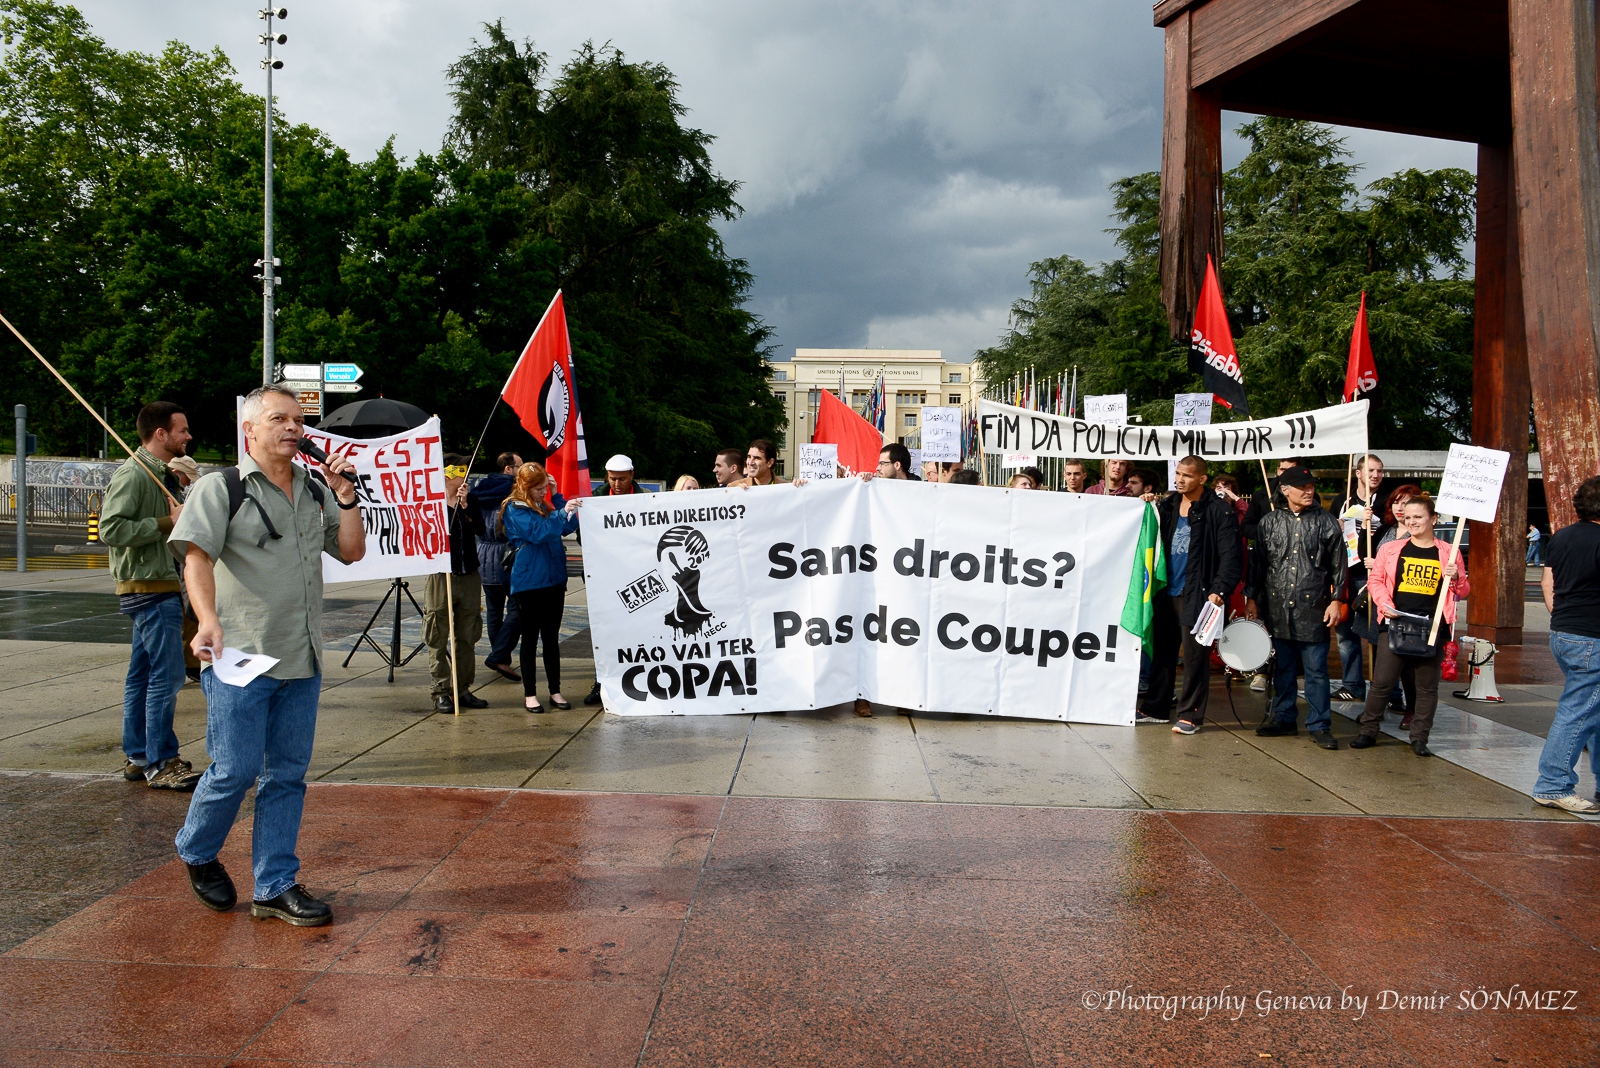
(933, 597)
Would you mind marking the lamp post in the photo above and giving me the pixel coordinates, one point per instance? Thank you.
(268, 262)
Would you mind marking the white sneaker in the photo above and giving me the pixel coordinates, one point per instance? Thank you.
(1258, 683)
(1572, 803)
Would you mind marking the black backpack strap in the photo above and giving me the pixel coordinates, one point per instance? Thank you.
(237, 495)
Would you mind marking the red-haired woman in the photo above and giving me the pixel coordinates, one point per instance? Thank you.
(534, 521)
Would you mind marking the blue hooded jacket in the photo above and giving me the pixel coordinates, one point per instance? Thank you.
(541, 560)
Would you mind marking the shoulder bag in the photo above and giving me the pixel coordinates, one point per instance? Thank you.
(1408, 635)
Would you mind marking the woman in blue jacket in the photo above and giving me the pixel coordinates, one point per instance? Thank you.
(534, 522)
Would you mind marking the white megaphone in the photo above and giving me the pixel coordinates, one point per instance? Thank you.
(1480, 659)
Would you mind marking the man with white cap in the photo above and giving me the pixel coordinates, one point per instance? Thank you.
(619, 480)
(619, 477)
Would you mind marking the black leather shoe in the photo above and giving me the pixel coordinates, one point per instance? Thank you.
(293, 906)
(1363, 741)
(1277, 730)
(472, 700)
(443, 705)
(1325, 739)
(1420, 747)
(594, 696)
(212, 886)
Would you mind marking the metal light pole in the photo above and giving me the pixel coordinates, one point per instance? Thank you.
(21, 412)
(268, 262)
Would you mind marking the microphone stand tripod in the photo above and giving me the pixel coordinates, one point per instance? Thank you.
(391, 655)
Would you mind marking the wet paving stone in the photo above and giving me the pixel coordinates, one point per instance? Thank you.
(536, 927)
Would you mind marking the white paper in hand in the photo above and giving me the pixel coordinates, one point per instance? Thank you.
(1208, 627)
(239, 668)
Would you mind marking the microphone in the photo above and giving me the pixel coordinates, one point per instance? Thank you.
(312, 450)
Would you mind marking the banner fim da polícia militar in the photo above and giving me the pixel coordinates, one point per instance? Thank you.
(933, 597)
(1339, 430)
(400, 489)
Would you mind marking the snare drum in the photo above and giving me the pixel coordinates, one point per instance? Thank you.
(1245, 645)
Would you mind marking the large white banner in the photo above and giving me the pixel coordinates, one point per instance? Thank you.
(922, 595)
(1335, 431)
(400, 488)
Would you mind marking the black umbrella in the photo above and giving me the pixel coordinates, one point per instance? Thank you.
(377, 417)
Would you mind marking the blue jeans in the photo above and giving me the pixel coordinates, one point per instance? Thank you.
(1577, 714)
(1292, 658)
(155, 675)
(1350, 660)
(505, 626)
(260, 733)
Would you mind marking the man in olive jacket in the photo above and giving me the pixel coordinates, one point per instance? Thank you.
(135, 520)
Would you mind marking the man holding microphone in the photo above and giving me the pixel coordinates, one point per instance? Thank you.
(254, 571)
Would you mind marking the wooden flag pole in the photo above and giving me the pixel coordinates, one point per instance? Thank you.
(1266, 484)
(450, 611)
(90, 409)
(1455, 554)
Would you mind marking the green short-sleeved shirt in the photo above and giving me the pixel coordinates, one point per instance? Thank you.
(269, 597)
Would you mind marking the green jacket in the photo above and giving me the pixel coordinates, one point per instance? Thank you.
(135, 520)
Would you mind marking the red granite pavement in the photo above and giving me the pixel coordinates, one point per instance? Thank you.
(482, 927)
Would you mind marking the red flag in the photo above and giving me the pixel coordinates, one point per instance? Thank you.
(859, 441)
(1211, 352)
(544, 393)
(1361, 374)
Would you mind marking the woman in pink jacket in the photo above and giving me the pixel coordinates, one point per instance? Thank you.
(1409, 576)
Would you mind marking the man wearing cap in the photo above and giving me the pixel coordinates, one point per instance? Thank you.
(619, 477)
(1298, 570)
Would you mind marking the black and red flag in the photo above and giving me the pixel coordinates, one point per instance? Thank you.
(1211, 352)
(1361, 373)
(544, 393)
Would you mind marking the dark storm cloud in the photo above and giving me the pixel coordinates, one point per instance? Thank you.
(902, 163)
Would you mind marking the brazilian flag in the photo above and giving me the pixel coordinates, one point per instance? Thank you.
(1149, 577)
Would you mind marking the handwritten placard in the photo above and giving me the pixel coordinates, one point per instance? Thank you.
(1188, 409)
(1470, 488)
(819, 462)
(941, 434)
(1110, 408)
(1013, 460)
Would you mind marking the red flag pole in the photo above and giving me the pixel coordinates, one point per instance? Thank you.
(498, 397)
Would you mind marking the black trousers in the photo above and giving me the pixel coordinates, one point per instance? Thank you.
(1173, 617)
(539, 612)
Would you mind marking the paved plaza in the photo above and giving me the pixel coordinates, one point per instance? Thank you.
(801, 888)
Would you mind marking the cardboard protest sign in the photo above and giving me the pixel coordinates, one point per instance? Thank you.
(818, 461)
(941, 434)
(938, 597)
(400, 488)
(1470, 488)
(1188, 409)
(1339, 430)
(1111, 408)
(1012, 460)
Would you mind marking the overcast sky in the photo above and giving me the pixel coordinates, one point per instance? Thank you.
(902, 162)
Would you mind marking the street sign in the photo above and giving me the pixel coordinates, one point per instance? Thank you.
(312, 371)
(310, 402)
(302, 384)
(342, 387)
(340, 372)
